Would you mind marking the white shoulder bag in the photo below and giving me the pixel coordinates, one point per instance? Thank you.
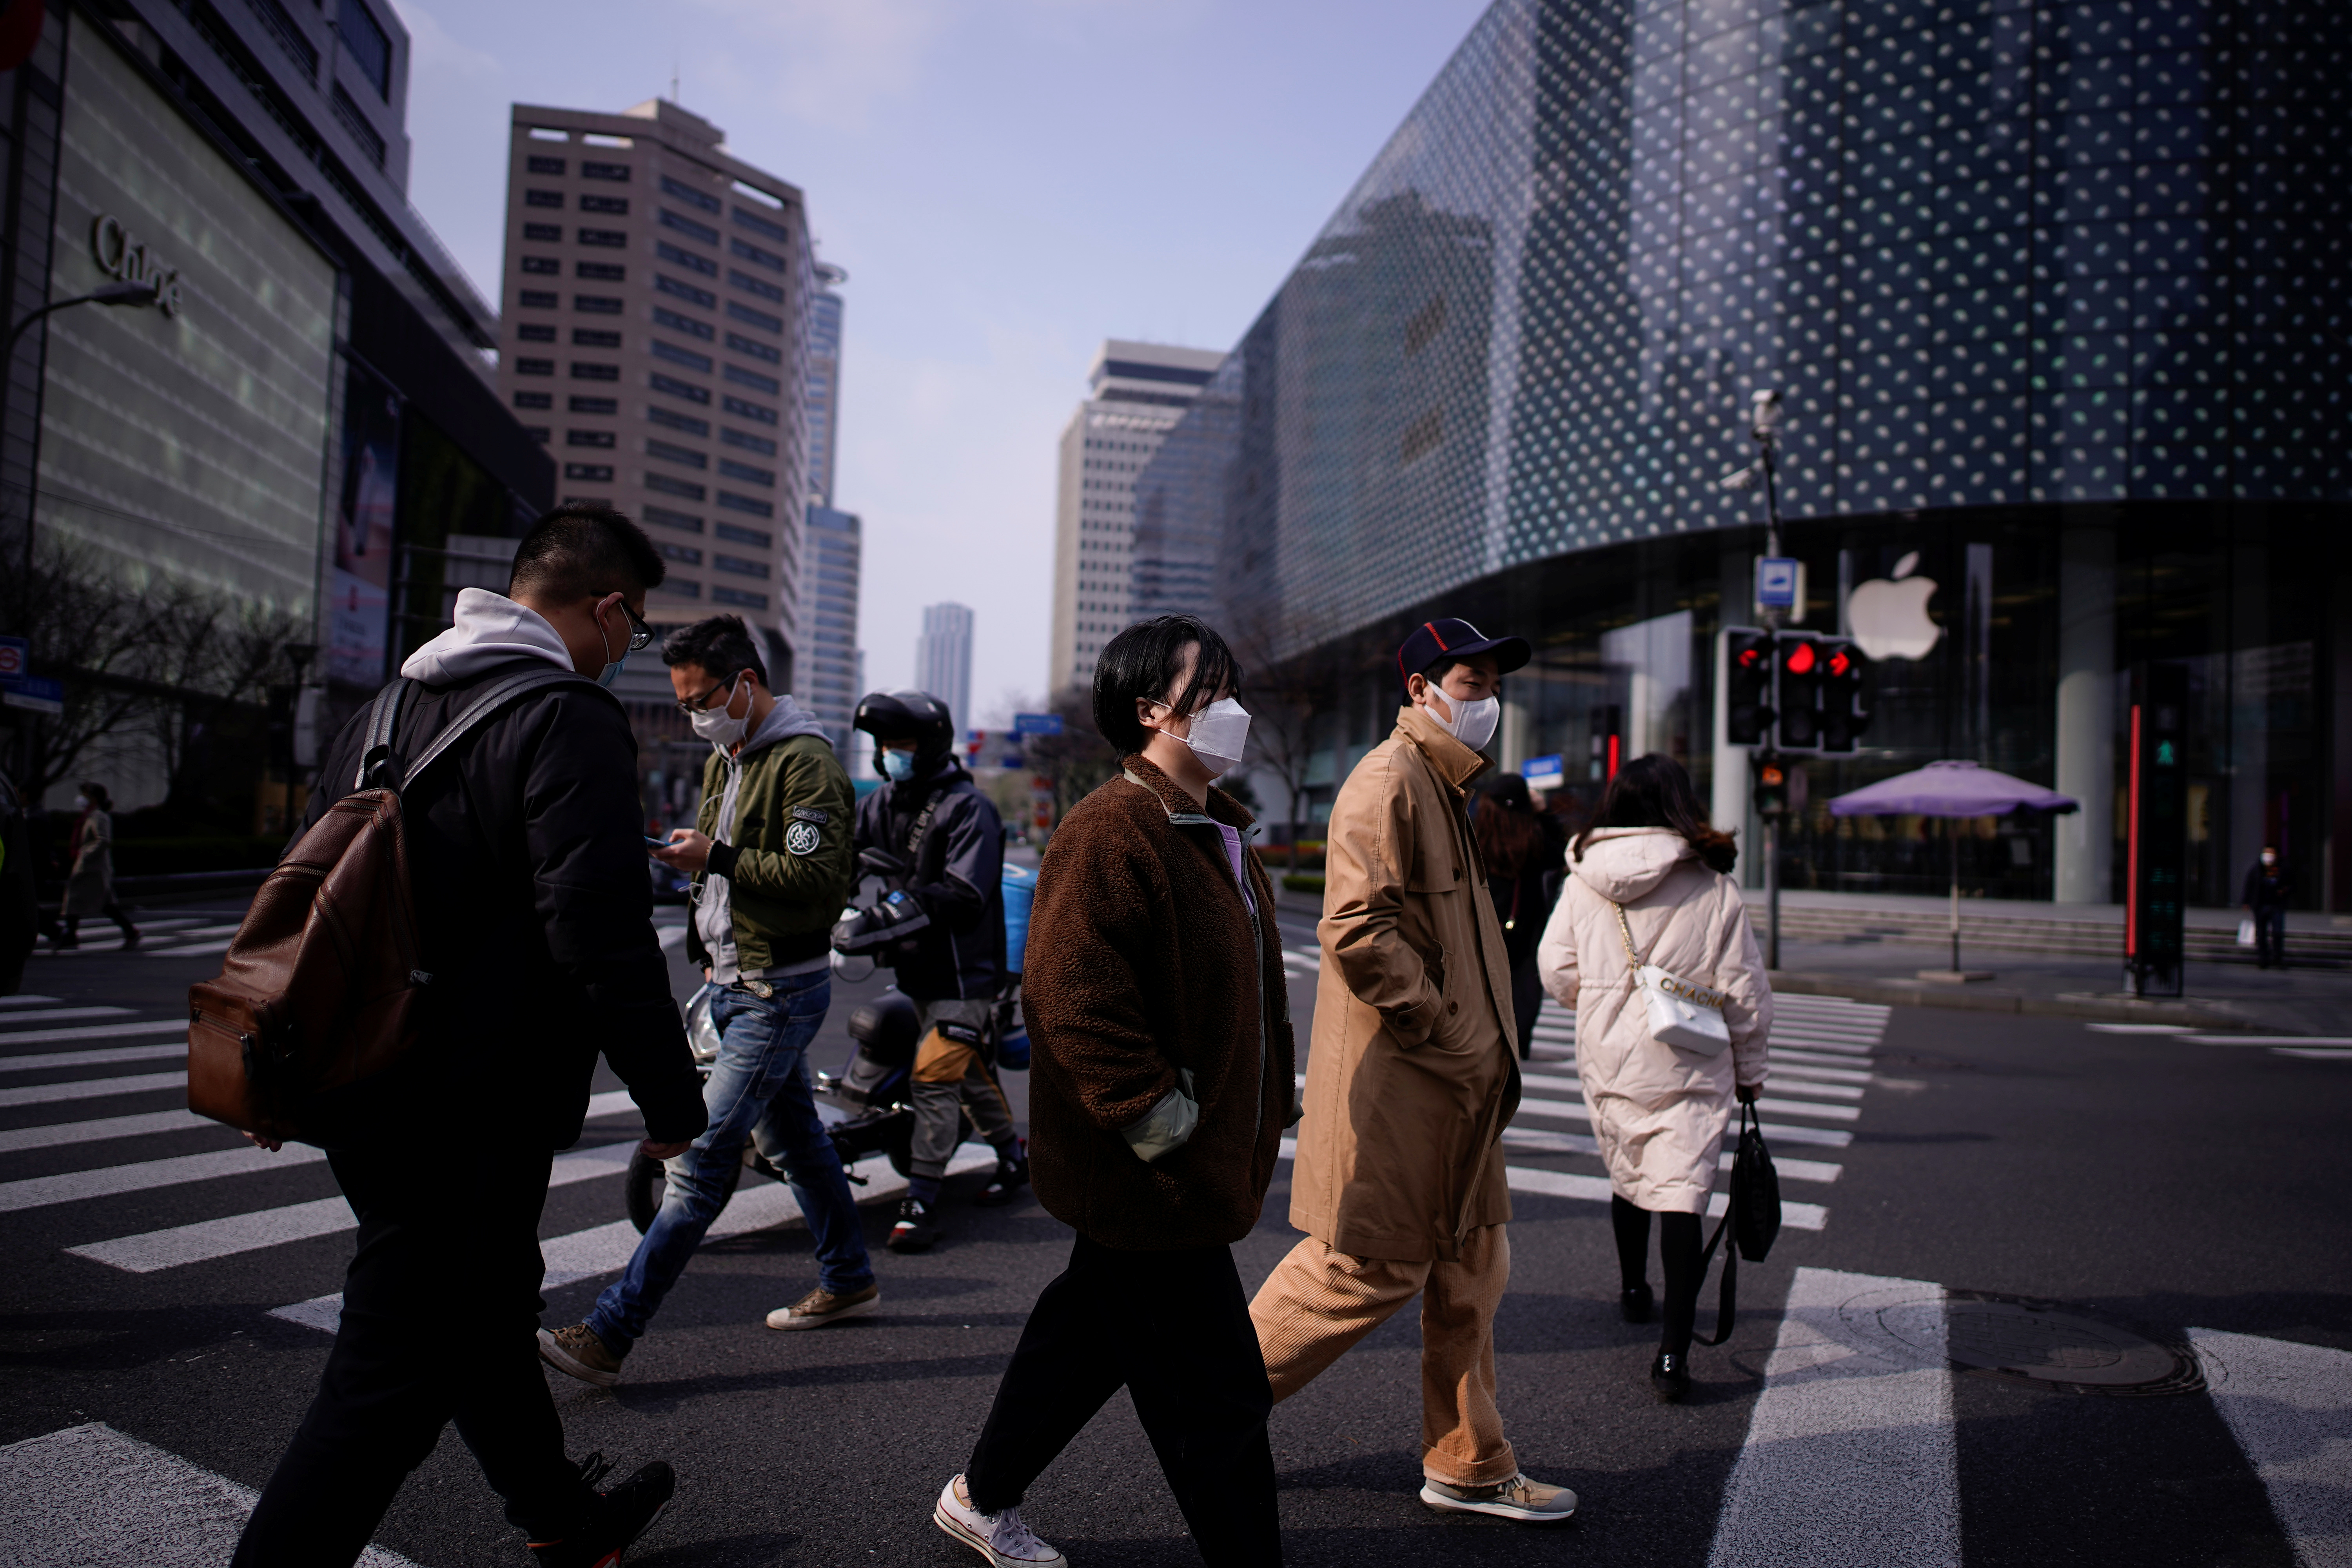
(1682, 1014)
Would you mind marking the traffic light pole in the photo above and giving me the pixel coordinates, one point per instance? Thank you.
(1764, 434)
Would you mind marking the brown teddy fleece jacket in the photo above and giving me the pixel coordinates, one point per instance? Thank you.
(1143, 960)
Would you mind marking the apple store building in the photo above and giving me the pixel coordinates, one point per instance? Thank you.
(2056, 299)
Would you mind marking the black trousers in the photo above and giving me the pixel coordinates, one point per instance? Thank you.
(1174, 1328)
(2269, 935)
(1680, 1251)
(440, 1323)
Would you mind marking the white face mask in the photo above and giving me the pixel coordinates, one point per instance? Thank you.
(713, 724)
(1218, 735)
(1473, 718)
(81, 803)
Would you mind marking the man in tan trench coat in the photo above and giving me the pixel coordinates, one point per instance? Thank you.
(1412, 1078)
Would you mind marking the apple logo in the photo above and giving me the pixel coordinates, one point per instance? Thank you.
(1889, 616)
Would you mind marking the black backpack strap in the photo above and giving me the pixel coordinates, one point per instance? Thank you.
(486, 702)
(384, 722)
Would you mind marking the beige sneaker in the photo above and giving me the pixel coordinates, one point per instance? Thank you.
(820, 1307)
(1518, 1498)
(576, 1350)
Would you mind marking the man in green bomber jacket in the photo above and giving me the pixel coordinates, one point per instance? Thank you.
(770, 857)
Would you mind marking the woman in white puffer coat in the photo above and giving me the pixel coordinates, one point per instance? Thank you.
(1659, 1111)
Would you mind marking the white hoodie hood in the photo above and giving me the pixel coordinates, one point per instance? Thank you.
(490, 629)
(1623, 864)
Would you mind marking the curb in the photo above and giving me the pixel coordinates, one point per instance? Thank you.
(1984, 999)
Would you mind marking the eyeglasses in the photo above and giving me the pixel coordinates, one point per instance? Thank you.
(641, 636)
(700, 701)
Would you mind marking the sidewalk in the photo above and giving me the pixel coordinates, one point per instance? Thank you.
(2219, 995)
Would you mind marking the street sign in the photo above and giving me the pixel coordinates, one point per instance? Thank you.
(37, 693)
(16, 657)
(1037, 723)
(1775, 583)
(1543, 772)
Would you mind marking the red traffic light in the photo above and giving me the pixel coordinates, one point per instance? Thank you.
(1840, 662)
(1799, 657)
(1773, 775)
(1750, 658)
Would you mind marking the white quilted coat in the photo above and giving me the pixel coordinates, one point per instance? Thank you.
(1660, 1113)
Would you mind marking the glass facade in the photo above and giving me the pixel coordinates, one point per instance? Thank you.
(2055, 297)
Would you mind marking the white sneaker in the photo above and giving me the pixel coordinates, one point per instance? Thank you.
(1000, 1538)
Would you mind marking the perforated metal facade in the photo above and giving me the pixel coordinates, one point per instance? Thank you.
(1994, 254)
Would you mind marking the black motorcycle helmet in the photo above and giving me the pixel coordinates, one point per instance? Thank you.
(915, 716)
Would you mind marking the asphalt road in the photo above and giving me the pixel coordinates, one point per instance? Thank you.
(2145, 1178)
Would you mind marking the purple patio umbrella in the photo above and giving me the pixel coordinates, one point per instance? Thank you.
(1951, 789)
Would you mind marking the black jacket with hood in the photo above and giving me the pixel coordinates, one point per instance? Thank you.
(533, 903)
(958, 878)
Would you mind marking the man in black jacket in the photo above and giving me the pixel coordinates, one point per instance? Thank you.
(933, 816)
(534, 906)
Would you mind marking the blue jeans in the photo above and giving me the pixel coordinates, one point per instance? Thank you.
(756, 1090)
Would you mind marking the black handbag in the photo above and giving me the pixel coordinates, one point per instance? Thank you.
(1752, 1216)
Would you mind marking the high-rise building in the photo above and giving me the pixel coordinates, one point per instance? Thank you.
(824, 382)
(827, 680)
(943, 658)
(657, 328)
(1135, 395)
(2051, 334)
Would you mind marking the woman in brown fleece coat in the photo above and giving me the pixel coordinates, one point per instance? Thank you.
(1160, 1089)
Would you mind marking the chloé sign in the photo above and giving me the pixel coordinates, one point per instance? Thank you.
(120, 257)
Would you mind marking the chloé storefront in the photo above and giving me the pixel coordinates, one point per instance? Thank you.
(191, 439)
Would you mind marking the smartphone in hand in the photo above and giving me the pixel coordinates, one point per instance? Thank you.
(657, 843)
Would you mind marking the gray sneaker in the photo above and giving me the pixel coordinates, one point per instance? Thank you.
(1000, 1538)
(820, 1307)
(1518, 1498)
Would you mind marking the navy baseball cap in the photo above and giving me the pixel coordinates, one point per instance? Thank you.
(1434, 641)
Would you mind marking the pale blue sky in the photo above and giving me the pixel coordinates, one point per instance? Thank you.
(1008, 181)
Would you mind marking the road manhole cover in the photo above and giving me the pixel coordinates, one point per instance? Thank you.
(2045, 1344)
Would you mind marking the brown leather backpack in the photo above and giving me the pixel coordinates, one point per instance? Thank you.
(319, 989)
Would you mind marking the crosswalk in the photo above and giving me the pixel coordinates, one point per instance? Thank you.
(102, 1098)
(189, 935)
(1823, 1051)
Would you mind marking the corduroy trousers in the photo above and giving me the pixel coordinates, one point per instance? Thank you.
(1319, 1301)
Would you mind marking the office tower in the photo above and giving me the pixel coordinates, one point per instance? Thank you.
(824, 382)
(657, 307)
(944, 660)
(827, 680)
(1135, 395)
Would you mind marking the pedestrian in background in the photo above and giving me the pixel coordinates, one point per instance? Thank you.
(1160, 1086)
(1649, 882)
(2264, 897)
(536, 921)
(1521, 848)
(769, 858)
(1411, 1081)
(90, 877)
(20, 918)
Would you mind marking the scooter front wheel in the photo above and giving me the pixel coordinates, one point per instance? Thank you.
(642, 1186)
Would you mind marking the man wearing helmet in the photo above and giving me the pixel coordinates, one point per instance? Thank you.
(950, 902)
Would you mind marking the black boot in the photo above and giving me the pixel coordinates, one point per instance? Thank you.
(1636, 1302)
(1011, 1176)
(1670, 1377)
